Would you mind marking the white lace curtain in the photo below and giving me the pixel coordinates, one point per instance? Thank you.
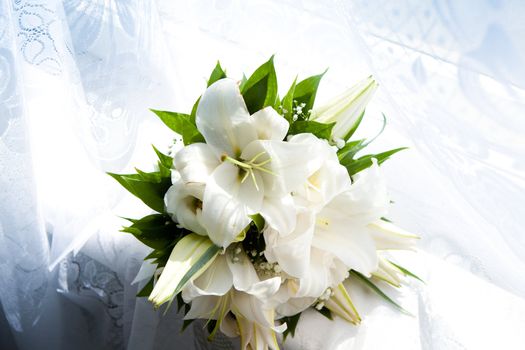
(77, 78)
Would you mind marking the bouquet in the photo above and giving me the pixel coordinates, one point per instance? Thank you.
(264, 209)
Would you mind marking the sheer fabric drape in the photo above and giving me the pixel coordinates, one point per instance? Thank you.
(77, 78)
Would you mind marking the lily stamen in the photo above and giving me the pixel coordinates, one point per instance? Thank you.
(250, 166)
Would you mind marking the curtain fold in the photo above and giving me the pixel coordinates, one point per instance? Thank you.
(24, 252)
(77, 78)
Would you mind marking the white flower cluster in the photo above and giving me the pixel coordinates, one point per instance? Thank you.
(319, 224)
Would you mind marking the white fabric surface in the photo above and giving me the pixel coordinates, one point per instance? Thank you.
(77, 78)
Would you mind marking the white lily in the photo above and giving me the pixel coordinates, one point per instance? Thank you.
(252, 169)
(184, 204)
(232, 284)
(332, 237)
(255, 336)
(347, 109)
(326, 176)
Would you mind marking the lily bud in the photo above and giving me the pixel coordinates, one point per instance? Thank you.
(341, 305)
(388, 236)
(347, 109)
(190, 257)
(388, 272)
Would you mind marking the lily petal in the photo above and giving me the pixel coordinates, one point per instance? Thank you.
(203, 307)
(224, 209)
(292, 251)
(191, 252)
(321, 274)
(243, 272)
(280, 213)
(286, 166)
(183, 202)
(351, 244)
(217, 279)
(245, 278)
(254, 336)
(366, 200)
(387, 272)
(196, 162)
(270, 125)
(347, 108)
(341, 304)
(253, 309)
(389, 236)
(223, 119)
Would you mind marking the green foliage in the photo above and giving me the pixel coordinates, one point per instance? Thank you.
(148, 187)
(260, 90)
(378, 291)
(287, 102)
(347, 153)
(194, 111)
(156, 231)
(356, 165)
(161, 256)
(243, 82)
(146, 291)
(325, 312)
(217, 74)
(164, 160)
(291, 322)
(306, 90)
(320, 130)
(182, 124)
(406, 272)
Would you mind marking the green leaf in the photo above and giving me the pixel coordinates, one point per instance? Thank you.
(366, 161)
(287, 102)
(406, 272)
(146, 291)
(148, 188)
(182, 124)
(320, 130)
(347, 153)
(161, 256)
(306, 90)
(154, 177)
(164, 159)
(260, 90)
(325, 312)
(217, 74)
(194, 111)
(378, 291)
(291, 322)
(243, 82)
(258, 221)
(156, 231)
